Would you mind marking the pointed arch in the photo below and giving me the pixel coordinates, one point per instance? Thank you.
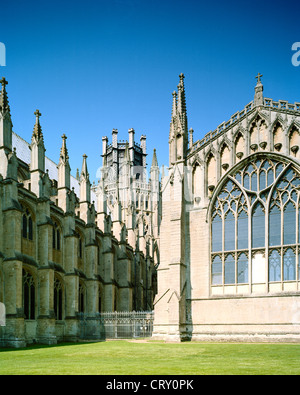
(58, 297)
(254, 217)
(278, 134)
(211, 171)
(57, 240)
(258, 115)
(258, 132)
(29, 290)
(294, 140)
(239, 145)
(224, 157)
(197, 177)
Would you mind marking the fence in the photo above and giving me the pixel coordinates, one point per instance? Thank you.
(117, 325)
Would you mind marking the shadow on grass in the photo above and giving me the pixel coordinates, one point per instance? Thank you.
(37, 346)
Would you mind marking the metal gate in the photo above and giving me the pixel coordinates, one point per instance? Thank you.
(116, 325)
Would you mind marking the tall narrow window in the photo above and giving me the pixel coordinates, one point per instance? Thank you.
(274, 266)
(242, 230)
(24, 227)
(242, 269)
(217, 233)
(56, 237)
(230, 269)
(289, 224)
(289, 265)
(28, 296)
(58, 299)
(81, 298)
(217, 270)
(275, 226)
(30, 230)
(258, 227)
(27, 225)
(229, 231)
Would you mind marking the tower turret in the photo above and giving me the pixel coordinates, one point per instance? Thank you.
(5, 129)
(37, 164)
(258, 97)
(178, 137)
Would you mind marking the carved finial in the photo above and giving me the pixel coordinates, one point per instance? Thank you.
(258, 77)
(37, 114)
(258, 97)
(3, 82)
(4, 106)
(64, 152)
(37, 130)
(154, 159)
(84, 170)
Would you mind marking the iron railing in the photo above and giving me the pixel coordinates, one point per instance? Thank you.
(116, 325)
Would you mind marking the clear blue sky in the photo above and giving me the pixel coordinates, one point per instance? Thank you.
(91, 66)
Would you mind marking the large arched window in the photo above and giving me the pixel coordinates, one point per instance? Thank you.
(255, 222)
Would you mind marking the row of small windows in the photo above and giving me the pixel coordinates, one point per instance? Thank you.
(27, 233)
(29, 297)
(257, 215)
(232, 233)
(231, 269)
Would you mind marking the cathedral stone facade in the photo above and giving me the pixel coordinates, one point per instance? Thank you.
(212, 246)
(230, 231)
(69, 248)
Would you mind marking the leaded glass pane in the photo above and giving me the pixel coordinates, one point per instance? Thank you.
(30, 229)
(216, 271)
(270, 177)
(229, 231)
(289, 265)
(262, 180)
(258, 227)
(216, 234)
(279, 169)
(246, 181)
(24, 226)
(289, 224)
(229, 269)
(274, 266)
(238, 177)
(242, 269)
(242, 230)
(289, 175)
(254, 182)
(275, 226)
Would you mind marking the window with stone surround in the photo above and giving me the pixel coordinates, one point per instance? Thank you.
(56, 242)
(27, 225)
(255, 224)
(58, 298)
(28, 293)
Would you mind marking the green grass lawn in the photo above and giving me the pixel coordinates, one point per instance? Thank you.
(155, 358)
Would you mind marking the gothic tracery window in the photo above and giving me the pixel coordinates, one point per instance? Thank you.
(28, 295)
(27, 225)
(255, 222)
(81, 297)
(56, 237)
(58, 299)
